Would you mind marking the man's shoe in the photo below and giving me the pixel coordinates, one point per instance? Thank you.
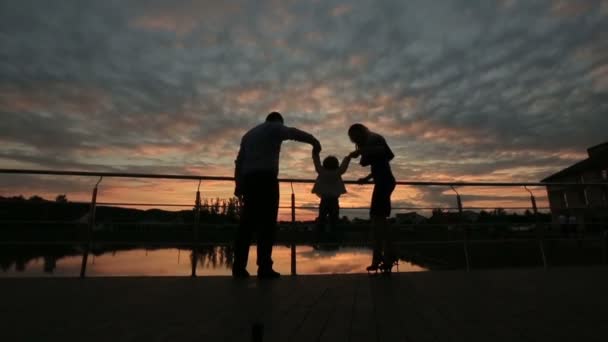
(240, 273)
(268, 274)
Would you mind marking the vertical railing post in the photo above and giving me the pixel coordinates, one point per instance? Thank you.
(465, 230)
(88, 241)
(603, 229)
(605, 246)
(293, 223)
(195, 229)
(539, 228)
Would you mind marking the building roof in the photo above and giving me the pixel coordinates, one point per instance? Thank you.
(597, 160)
(573, 170)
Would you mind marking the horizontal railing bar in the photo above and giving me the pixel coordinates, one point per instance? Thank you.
(281, 223)
(283, 180)
(126, 204)
(347, 244)
(432, 208)
(287, 223)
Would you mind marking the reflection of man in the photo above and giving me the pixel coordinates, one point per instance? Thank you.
(572, 225)
(256, 172)
(563, 224)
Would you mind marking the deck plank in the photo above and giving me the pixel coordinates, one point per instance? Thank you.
(315, 322)
(285, 325)
(501, 305)
(338, 324)
(364, 327)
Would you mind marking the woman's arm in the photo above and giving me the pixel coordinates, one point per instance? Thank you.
(365, 179)
(344, 165)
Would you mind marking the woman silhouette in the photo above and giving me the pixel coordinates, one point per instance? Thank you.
(376, 153)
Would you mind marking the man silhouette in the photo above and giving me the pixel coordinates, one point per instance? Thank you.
(256, 172)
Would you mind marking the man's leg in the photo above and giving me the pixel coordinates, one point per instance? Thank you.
(244, 232)
(267, 224)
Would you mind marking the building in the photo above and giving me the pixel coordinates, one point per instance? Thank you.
(587, 206)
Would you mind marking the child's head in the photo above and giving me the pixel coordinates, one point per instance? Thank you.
(331, 163)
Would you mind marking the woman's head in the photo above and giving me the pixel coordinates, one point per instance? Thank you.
(331, 163)
(358, 133)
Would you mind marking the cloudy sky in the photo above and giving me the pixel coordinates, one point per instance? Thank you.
(509, 90)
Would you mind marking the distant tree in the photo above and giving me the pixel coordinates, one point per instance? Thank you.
(500, 212)
(216, 207)
(36, 198)
(437, 212)
(232, 208)
(206, 207)
(61, 198)
(224, 210)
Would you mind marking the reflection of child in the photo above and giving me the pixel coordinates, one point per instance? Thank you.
(329, 186)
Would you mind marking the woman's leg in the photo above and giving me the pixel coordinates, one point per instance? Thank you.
(378, 240)
(382, 202)
(389, 248)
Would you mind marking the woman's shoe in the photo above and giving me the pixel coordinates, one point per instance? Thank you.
(373, 268)
(387, 267)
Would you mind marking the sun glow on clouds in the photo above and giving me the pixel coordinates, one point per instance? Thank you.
(500, 91)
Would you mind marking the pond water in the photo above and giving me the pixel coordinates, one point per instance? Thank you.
(212, 261)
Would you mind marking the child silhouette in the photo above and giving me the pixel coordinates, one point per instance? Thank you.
(329, 186)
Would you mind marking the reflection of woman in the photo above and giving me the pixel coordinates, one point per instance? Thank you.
(376, 153)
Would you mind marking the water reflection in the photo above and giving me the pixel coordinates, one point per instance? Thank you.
(211, 261)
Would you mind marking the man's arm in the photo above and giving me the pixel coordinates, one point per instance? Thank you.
(316, 159)
(290, 133)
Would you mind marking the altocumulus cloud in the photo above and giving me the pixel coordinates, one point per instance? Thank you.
(490, 90)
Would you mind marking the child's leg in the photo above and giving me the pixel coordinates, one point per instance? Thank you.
(322, 215)
(334, 213)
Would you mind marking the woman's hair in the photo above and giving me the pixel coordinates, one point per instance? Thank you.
(331, 163)
(357, 133)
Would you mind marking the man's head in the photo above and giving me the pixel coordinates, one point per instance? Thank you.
(274, 117)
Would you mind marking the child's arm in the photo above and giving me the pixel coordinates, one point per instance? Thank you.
(316, 159)
(344, 165)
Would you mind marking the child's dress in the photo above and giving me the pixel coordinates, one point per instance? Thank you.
(329, 186)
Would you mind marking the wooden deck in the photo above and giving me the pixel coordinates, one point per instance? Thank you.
(506, 305)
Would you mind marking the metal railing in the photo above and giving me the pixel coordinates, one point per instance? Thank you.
(465, 241)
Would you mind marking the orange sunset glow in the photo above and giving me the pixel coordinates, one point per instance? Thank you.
(506, 92)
